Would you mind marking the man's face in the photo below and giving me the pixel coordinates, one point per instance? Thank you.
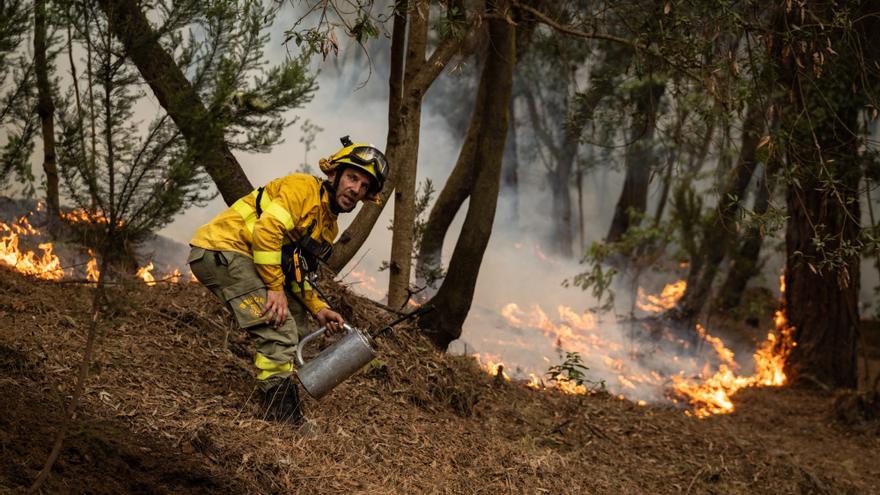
(354, 184)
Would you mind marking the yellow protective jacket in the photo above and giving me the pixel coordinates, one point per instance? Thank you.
(289, 204)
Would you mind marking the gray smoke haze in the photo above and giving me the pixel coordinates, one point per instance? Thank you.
(547, 318)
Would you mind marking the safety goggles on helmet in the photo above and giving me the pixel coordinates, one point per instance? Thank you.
(370, 160)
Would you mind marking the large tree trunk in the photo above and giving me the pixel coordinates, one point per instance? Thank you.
(177, 96)
(453, 299)
(824, 171)
(823, 305)
(405, 183)
(46, 110)
(640, 159)
(720, 232)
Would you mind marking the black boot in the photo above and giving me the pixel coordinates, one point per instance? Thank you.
(282, 403)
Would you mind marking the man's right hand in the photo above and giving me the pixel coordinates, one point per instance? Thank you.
(276, 308)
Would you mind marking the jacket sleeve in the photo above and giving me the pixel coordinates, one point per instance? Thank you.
(313, 302)
(288, 206)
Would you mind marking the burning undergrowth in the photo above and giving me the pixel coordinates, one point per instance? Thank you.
(30, 251)
(649, 359)
(646, 359)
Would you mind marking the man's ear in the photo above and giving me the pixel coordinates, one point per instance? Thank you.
(331, 176)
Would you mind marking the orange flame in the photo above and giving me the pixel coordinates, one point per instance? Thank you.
(80, 215)
(365, 284)
(92, 271)
(712, 395)
(491, 367)
(145, 273)
(46, 267)
(667, 299)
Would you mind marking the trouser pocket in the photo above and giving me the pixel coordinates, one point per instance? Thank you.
(247, 301)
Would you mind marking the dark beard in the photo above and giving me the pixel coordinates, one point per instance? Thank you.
(342, 210)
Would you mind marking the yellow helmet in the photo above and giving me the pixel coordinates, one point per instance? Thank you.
(363, 156)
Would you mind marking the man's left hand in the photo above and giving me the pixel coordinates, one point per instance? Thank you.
(330, 319)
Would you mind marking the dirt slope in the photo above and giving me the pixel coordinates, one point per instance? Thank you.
(169, 410)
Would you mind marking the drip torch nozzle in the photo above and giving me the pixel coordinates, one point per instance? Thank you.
(418, 312)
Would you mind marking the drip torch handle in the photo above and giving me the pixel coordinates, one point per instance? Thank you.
(312, 336)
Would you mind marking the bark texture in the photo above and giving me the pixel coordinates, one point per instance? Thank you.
(824, 169)
(405, 183)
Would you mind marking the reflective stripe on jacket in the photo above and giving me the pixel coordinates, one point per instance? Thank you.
(288, 204)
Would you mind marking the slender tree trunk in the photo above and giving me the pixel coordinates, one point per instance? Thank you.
(510, 166)
(452, 196)
(46, 110)
(352, 238)
(400, 263)
(671, 160)
(453, 299)
(89, 177)
(640, 160)
(403, 115)
(560, 183)
(580, 213)
(745, 264)
(177, 97)
(720, 231)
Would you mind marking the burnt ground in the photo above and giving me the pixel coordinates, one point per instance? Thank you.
(168, 409)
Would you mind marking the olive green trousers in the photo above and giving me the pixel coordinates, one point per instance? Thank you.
(233, 278)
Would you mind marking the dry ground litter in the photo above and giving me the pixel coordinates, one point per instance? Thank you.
(169, 408)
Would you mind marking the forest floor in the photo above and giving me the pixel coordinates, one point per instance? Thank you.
(169, 409)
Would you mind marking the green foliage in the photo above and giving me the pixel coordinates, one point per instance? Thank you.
(638, 249)
(141, 175)
(573, 370)
(597, 279)
(357, 21)
(17, 96)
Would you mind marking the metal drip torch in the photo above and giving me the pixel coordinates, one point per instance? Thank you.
(345, 357)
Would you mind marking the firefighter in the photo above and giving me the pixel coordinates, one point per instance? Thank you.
(260, 256)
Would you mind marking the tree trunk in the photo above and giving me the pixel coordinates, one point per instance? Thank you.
(355, 235)
(46, 110)
(824, 171)
(745, 264)
(400, 263)
(560, 185)
(510, 165)
(720, 232)
(640, 160)
(177, 96)
(823, 305)
(452, 196)
(453, 299)
(403, 115)
(671, 160)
